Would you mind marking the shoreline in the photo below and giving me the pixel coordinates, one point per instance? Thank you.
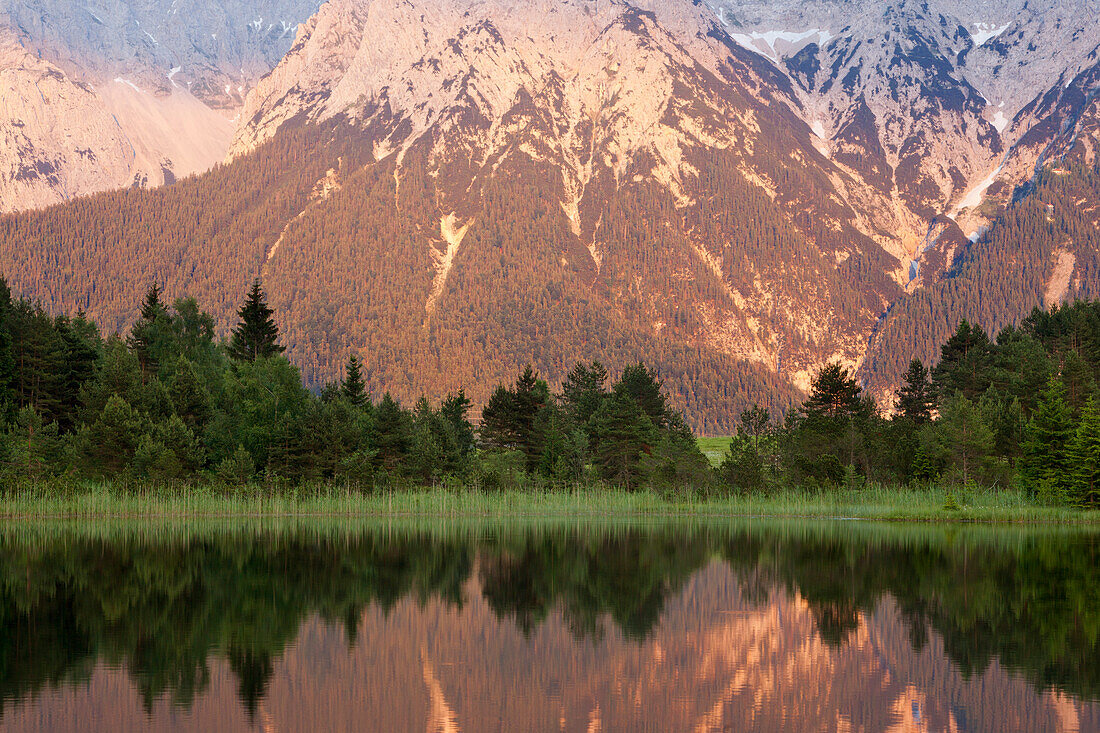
(893, 505)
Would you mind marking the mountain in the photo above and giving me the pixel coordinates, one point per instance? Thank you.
(735, 193)
(114, 93)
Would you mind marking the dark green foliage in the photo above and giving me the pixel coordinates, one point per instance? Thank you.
(256, 334)
(622, 435)
(755, 424)
(509, 420)
(391, 435)
(106, 445)
(966, 364)
(1045, 464)
(32, 446)
(832, 433)
(916, 399)
(639, 384)
(151, 334)
(1006, 418)
(964, 438)
(170, 404)
(1084, 457)
(742, 469)
(353, 390)
(835, 394)
(455, 412)
(583, 391)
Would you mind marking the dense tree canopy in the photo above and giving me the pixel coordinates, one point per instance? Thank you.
(170, 403)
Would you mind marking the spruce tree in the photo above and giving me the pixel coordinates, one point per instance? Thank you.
(7, 356)
(353, 390)
(1084, 457)
(509, 418)
(915, 398)
(454, 411)
(965, 435)
(391, 435)
(151, 331)
(755, 423)
(1044, 465)
(256, 335)
(622, 434)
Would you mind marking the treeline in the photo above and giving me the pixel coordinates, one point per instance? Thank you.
(1020, 410)
(172, 403)
(997, 280)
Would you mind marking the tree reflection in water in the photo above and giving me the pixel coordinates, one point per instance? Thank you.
(164, 609)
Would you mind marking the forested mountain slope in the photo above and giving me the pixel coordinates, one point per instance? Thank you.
(455, 190)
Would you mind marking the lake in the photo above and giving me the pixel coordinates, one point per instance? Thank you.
(681, 626)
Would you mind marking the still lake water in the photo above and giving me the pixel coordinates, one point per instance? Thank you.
(764, 626)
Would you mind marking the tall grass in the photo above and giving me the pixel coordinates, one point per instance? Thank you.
(590, 503)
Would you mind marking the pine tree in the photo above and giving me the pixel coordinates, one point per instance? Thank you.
(834, 393)
(7, 357)
(509, 418)
(353, 390)
(622, 434)
(1045, 461)
(256, 335)
(583, 391)
(915, 398)
(638, 383)
(755, 423)
(1084, 457)
(190, 400)
(454, 411)
(108, 443)
(392, 434)
(966, 364)
(965, 435)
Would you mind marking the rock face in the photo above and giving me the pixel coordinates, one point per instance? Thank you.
(932, 96)
(596, 101)
(115, 93)
(907, 117)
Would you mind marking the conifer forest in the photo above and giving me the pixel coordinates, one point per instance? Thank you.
(172, 404)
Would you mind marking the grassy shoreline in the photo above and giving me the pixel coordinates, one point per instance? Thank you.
(580, 504)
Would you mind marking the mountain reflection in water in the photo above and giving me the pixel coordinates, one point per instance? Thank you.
(767, 626)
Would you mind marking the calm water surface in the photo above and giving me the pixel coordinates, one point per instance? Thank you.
(742, 627)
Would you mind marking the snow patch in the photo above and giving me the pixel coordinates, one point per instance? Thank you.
(127, 82)
(172, 75)
(1000, 121)
(981, 33)
(975, 195)
(818, 128)
(768, 42)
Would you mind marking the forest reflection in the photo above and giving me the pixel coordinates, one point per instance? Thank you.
(725, 612)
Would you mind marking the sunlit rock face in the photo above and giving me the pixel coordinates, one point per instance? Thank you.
(104, 95)
(935, 94)
(904, 121)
